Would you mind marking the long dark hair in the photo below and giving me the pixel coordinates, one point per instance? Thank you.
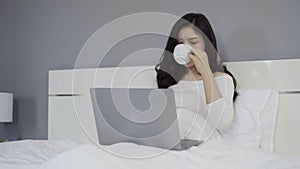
(169, 72)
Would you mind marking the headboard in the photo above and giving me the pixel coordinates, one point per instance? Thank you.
(69, 98)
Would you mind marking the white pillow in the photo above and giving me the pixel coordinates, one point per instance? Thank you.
(254, 122)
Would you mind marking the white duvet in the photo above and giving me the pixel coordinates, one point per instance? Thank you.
(211, 155)
(214, 154)
(207, 156)
(28, 154)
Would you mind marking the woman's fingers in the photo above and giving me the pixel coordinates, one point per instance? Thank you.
(199, 53)
(196, 56)
(200, 60)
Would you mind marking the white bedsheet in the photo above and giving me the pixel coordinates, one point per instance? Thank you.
(211, 155)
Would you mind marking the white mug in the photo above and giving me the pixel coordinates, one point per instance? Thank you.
(181, 53)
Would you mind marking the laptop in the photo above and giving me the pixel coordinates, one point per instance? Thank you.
(142, 116)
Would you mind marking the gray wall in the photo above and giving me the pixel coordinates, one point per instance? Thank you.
(39, 35)
(7, 22)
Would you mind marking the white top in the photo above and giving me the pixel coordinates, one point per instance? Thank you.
(195, 117)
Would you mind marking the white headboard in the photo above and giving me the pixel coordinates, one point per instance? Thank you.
(69, 96)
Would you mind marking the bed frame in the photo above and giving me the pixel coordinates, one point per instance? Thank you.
(69, 96)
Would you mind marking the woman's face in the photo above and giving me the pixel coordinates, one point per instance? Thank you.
(188, 36)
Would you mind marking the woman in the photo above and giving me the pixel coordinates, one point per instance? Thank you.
(204, 89)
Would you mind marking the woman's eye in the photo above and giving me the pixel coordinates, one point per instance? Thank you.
(193, 43)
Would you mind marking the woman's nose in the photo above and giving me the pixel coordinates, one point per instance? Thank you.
(185, 42)
(188, 44)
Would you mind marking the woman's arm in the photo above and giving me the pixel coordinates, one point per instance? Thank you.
(220, 112)
(212, 92)
(211, 89)
(219, 105)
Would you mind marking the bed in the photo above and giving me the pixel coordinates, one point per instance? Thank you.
(72, 130)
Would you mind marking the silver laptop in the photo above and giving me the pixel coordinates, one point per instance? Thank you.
(142, 116)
